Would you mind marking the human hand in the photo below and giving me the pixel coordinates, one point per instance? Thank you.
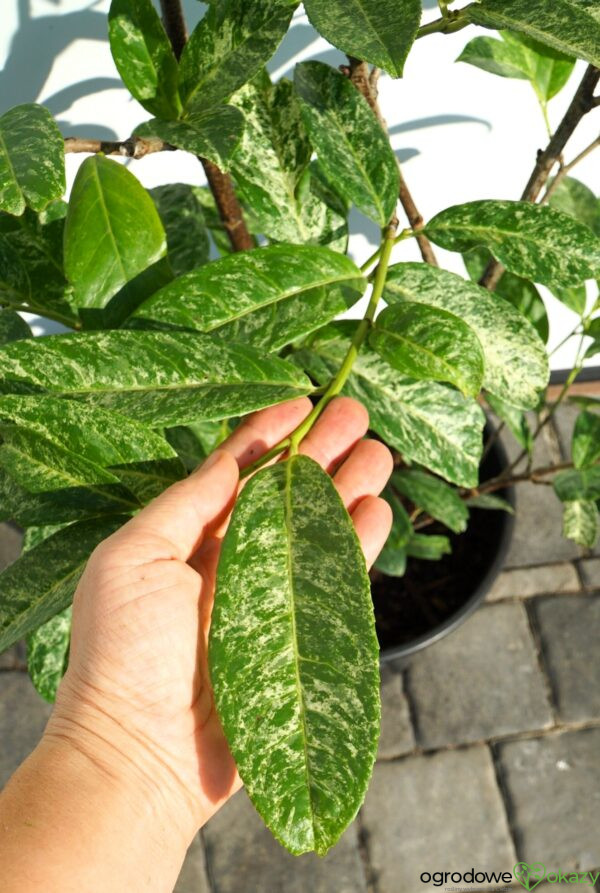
(136, 697)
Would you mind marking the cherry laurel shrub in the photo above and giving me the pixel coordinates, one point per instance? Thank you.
(170, 348)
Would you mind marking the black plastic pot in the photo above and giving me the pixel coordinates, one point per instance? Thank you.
(493, 527)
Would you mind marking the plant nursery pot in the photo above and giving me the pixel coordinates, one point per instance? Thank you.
(435, 597)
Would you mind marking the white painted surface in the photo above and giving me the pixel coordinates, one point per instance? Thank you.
(462, 134)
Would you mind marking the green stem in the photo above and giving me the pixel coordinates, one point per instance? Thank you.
(448, 24)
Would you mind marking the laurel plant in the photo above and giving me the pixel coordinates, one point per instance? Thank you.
(189, 308)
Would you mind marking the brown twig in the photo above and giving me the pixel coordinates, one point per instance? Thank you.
(366, 84)
(564, 169)
(221, 184)
(583, 102)
(133, 147)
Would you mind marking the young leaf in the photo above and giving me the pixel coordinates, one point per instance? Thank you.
(521, 293)
(48, 654)
(143, 56)
(163, 379)
(353, 151)
(380, 33)
(515, 360)
(231, 43)
(32, 160)
(392, 558)
(569, 26)
(112, 231)
(183, 219)
(42, 581)
(574, 198)
(301, 713)
(429, 343)
(12, 327)
(581, 522)
(212, 133)
(533, 241)
(586, 440)
(276, 293)
(515, 420)
(427, 422)
(428, 547)
(578, 484)
(433, 496)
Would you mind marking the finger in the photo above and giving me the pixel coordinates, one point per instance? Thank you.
(174, 524)
(262, 430)
(364, 473)
(373, 521)
(341, 425)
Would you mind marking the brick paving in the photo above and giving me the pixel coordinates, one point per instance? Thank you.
(490, 747)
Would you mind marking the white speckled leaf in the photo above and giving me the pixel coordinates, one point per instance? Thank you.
(182, 216)
(433, 496)
(162, 378)
(112, 231)
(268, 296)
(226, 49)
(213, 133)
(294, 656)
(143, 55)
(585, 445)
(381, 33)
(429, 343)
(533, 241)
(515, 361)
(515, 420)
(354, 153)
(48, 654)
(569, 26)
(573, 197)
(427, 422)
(42, 581)
(147, 480)
(581, 522)
(12, 327)
(578, 484)
(32, 161)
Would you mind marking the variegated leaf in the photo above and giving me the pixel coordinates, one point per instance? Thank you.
(182, 216)
(32, 161)
(577, 484)
(433, 496)
(515, 360)
(301, 709)
(211, 133)
(581, 522)
(147, 480)
(48, 653)
(12, 327)
(586, 440)
(392, 558)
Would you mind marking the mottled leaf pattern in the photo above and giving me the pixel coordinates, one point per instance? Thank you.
(515, 420)
(12, 327)
(392, 558)
(380, 33)
(578, 484)
(428, 547)
(160, 378)
(143, 56)
(533, 241)
(434, 496)
(147, 480)
(429, 343)
(183, 219)
(515, 361)
(42, 581)
(212, 134)
(107, 206)
(581, 522)
(585, 446)
(294, 656)
(573, 197)
(48, 654)
(353, 150)
(32, 164)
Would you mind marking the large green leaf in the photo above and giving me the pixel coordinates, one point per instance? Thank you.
(354, 153)
(212, 133)
(32, 161)
(521, 293)
(231, 43)
(48, 653)
(516, 365)
(268, 296)
(581, 522)
(160, 378)
(586, 440)
(301, 712)
(12, 327)
(429, 343)
(433, 496)
(569, 26)
(112, 231)
(427, 422)
(183, 219)
(143, 56)
(380, 33)
(533, 241)
(42, 581)
(578, 484)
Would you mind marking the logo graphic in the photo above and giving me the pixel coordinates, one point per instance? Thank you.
(530, 875)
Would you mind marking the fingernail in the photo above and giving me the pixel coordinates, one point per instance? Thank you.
(210, 462)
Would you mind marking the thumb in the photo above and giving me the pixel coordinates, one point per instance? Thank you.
(181, 515)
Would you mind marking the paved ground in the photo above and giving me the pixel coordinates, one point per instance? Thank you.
(490, 750)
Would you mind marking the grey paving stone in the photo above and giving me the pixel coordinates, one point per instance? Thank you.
(23, 717)
(569, 630)
(15, 658)
(435, 813)
(397, 736)
(590, 572)
(10, 544)
(564, 422)
(523, 582)
(553, 788)
(193, 877)
(242, 855)
(481, 681)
